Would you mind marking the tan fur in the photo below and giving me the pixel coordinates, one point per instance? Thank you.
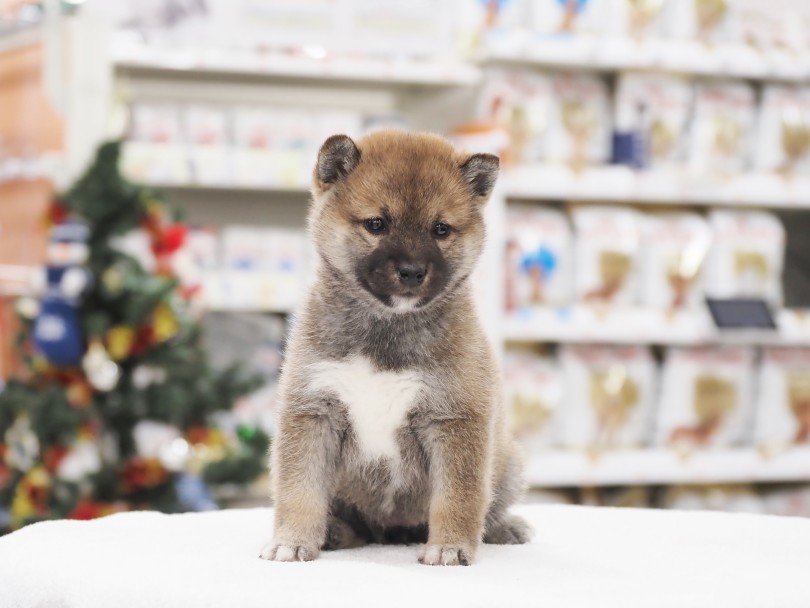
(458, 471)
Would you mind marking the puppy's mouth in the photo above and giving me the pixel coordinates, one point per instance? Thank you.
(406, 303)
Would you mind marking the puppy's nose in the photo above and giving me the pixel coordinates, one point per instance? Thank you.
(411, 275)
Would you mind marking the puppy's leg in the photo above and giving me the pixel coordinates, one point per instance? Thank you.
(503, 528)
(460, 470)
(303, 465)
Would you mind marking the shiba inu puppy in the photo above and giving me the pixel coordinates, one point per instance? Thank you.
(391, 422)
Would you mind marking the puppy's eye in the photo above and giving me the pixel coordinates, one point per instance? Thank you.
(441, 230)
(375, 225)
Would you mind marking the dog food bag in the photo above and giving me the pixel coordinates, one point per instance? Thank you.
(783, 131)
(651, 116)
(673, 251)
(539, 258)
(704, 21)
(783, 403)
(609, 397)
(579, 128)
(746, 256)
(706, 398)
(553, 17)
(606, 251)
(534, 394)
(519, 103)
(723, 123)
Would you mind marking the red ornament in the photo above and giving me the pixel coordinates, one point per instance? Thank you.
(57, 213)
(86, 509)
(174, 237)
(144, 338)
(53, 456)
(141, 473)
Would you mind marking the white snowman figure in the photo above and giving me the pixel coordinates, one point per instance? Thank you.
(57, 330)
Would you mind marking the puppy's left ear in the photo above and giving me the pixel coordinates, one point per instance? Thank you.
(338, 157)
(480, 171)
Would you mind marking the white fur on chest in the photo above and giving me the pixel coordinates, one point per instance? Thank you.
(377, 401)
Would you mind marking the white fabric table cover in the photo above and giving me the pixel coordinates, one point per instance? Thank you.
(580, 556)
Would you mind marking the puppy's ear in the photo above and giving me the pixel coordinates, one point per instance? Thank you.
(338, 157)
(481, 171)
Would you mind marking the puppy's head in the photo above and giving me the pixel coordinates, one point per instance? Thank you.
(397, 216)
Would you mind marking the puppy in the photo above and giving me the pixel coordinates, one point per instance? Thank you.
(391, 422)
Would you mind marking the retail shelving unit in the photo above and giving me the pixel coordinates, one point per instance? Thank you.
(430, 90)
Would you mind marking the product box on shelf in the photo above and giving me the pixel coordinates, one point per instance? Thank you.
(156, 149)
(610, 393)
(579, 17)
(722, 127)
(534, 395)
(519, 104)
(673, 251)
(539, 258)
(209, 139)
(579, 122)
(746, 257)
(783, 131)
(706, 398)
(783, 402)
(606, 254)
(651, 119)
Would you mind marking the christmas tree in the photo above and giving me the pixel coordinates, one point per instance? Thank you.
(114, 408)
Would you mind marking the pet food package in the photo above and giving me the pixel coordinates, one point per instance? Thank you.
(706, 397)
(496, 27)
(609, 396)
(783, 131)
(606, 254)
(673, 252)
(651, 116)
(746, 256)
(722, 126)
(580, 17)
(518, 103)
(208, 134)
(579, 127)
(539, 258)
(156, 151)
(534, 394)
(783, 403)
(704, 21)
(639, 19)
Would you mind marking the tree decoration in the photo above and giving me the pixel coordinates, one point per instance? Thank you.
(114, 410)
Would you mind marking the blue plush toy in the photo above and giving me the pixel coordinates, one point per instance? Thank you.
(57, 331)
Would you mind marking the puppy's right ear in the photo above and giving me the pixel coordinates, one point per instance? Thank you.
(338, 157)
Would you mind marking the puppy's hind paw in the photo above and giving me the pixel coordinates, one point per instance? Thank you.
(283, 552)
(445, 555)
(512, 530)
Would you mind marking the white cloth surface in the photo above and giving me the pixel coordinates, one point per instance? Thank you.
(580, 556)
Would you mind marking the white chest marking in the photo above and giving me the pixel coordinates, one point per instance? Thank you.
(377, 401)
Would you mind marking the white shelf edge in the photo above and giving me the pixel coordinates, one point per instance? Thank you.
(21, 38)
(655, 466)
(607, 55)
(638, 325)
(617, 184)
(280, 190)
(255, 65)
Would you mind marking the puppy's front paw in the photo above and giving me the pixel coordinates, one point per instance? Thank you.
(445, 555)
(289, 552)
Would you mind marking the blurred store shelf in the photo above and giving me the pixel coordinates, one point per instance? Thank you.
(251, 65)
(252, 291)
(661, 466)
(679, 56)
(21, 38)
(270, 190)
(50, 166)
(614, 183)
(636, 325)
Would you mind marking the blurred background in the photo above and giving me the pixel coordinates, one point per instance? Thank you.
(655, 153)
